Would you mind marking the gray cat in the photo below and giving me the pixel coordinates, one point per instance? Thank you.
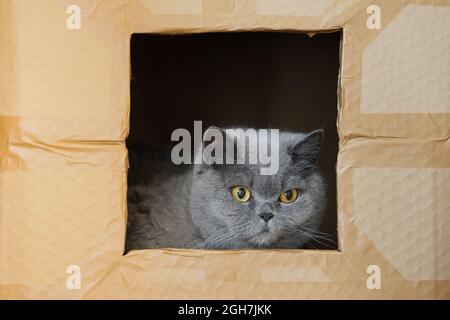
(226, 206)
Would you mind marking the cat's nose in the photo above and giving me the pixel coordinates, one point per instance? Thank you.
(266, 216)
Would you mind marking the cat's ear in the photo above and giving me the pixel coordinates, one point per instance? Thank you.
(307, 149)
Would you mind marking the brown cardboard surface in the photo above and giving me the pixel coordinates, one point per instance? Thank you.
(64, 106)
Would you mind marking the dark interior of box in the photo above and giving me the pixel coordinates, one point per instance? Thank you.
(251, 79)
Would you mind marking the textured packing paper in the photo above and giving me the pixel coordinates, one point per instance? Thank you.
(64, 108)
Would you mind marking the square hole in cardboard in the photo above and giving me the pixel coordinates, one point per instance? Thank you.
(255, 80)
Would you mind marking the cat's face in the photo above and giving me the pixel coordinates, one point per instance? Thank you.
(235, 204)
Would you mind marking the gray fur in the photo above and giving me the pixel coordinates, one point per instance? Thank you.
(190, 206)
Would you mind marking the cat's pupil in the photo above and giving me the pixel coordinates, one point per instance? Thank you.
(241, 193)
(288, 194)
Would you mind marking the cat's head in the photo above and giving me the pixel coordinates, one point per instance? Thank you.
(234, 205)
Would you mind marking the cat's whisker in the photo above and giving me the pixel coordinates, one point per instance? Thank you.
(219, 237)
(309, 233)
(324, 237)
(317, 233)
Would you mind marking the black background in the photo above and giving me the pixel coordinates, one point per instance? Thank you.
(252, 79)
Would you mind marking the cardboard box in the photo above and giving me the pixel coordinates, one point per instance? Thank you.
(64, 113)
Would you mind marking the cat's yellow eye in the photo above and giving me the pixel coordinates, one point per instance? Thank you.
(240, 193)
(288, 196)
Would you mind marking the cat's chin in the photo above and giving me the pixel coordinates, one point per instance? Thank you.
(263, 238)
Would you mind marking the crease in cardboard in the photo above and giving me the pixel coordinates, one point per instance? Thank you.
(94, 285)
(176, 7)
(343, 12)
(361, 137)
(298, 8)
(296, 274)
(94, 9)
